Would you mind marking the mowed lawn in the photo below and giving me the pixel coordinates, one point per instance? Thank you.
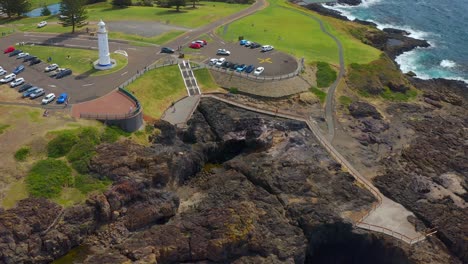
(205, 13)
(157, 89)
(80, 61)
(299, 35)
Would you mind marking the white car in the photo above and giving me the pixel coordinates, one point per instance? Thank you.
(213, 61)
(223, 52)
(258, 71)
(220, 61)
(22, 55)
(51, 67)
(17, 82)
(48, 98)
(8, 78)
(42, 24)
(267, 48)
(2, 72)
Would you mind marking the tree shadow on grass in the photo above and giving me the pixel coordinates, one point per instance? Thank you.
(86, 74)
(114, 8)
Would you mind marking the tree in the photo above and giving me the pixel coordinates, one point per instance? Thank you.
(73, 13)
(121, 3)
(45, 11)
(193, 2)
(177, 4)
(14, 7)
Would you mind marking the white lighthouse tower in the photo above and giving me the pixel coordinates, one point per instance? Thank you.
(104, 62)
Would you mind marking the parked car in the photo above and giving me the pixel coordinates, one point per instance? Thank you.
(2, 72)
(24, 87)
(220, 61)
(62, 98)
(42, 24)
(195, 45)
(38, 93)
(201, 42)
(51, 67)
(167, 50)
(48, 98)
(255, 45)
(9, 49)
(213, 61)
(29, 91)
(18, 69)
(241, 67)
(63, 73)
(28, 58)
(8, 78)
(14, 53)
(258, 71)
(35, 61)
(248, 43)
(242, 42)
(54, 73)
(223, 52)
(234, 66)
(226, 64)
(16, 82)
(249, 69)
(22, 55)
(266, 48)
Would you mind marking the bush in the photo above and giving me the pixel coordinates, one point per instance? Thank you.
(62, 144)
(47, 178)
(112, 134)
(319, 93)
(87, 183)
(22, 153)
(346, 101)
(90, 134)
(233, 90)
(325, 74)
(80, 156)
(45, 11)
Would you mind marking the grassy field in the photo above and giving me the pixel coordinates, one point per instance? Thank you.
(205, 81)
(299, 35)
(157, 89)
(80, 59)
(325, 74)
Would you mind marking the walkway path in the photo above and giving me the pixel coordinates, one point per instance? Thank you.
(182, 110)
(330, 100)
(387, 217)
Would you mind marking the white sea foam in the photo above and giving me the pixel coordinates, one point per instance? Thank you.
(448, 64)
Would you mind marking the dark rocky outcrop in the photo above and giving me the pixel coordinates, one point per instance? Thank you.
(362, 109)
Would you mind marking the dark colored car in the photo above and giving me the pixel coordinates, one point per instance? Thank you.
(167, 50)
(9, 49)
(62, 98)
(14, 53)
(31, 90)
(249, 69)
(63, 73)
(18, 69)
(241, 67)
(234, 66)
(29, 58)
(24, 87)
(34, 61)
(255, 45)
(226, 64)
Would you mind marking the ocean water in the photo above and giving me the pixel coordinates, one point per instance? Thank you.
(443, 23)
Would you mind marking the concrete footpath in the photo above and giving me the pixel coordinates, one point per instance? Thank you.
(182, 110)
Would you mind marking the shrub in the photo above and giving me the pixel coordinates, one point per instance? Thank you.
(90, 134)
(47, 177)
(87, 183)
(112, 133)
(62, 144)
(346, 101)
(22, 153)
(45, 11)
(80, 156)
(319, 93)
(325, 74)
(233, 90)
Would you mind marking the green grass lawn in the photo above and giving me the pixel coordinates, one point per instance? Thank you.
(321, 95)
(205, 80)
(157, 89)
(325, 74)
(299, 35)
(80, 59)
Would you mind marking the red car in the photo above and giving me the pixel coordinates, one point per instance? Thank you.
(9, 49)
(195, 46)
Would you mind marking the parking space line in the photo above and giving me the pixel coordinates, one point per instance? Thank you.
(89, 84)
(124, 73)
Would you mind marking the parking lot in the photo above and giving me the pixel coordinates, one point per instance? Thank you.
(79, 88)
(275, 62)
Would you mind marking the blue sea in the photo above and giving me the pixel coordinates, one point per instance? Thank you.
(443, 23)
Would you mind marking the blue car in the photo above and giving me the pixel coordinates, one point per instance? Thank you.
(30, 91)
(241, 67)
(249, 68)
(62, 98)
(242, 42)
(18, 69)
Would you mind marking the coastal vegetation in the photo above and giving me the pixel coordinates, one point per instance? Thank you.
(321, 95)
(325, 74)
(22, 153)
(47, 177)
(3, 127)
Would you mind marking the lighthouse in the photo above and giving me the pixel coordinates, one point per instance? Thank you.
(104, 62)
